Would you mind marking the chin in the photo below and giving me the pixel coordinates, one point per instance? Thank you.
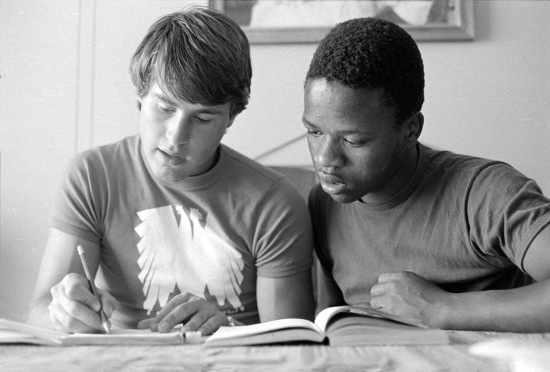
(342, 198)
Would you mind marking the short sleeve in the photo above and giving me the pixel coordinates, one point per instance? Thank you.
(506, 211)
(283, 235)
(77, 205)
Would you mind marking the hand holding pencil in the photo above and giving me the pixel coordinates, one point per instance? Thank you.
(76, 305)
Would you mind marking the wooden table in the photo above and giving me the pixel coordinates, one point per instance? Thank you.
(448, 358)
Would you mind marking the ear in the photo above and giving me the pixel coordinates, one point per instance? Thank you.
(413, 128)
(230, 123)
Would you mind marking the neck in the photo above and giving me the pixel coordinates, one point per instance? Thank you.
(401, 178)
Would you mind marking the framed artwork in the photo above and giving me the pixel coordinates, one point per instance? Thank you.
(307, 21)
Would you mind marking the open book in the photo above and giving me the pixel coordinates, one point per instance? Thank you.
(337, 326)
(12, 332)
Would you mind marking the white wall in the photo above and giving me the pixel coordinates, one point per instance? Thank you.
(64, 86)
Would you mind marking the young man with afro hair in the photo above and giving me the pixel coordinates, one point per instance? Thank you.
(453, 241)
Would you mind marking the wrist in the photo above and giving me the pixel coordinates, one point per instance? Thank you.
(445, 312)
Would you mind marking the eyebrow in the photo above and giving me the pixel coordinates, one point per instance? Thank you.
(163, 98)
(203, 110)
(344, 132)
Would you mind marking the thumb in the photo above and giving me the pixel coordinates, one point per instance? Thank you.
(88, 298)
(77, 288)
(108, 302)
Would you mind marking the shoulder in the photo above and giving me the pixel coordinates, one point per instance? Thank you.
(243, 164)
(448, 160)
(123, 148)
(468, 170)
(479, 178)
(255, 177)
(97, 166)
(106, 156)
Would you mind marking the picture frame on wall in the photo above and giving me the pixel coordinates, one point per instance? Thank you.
(308, 21)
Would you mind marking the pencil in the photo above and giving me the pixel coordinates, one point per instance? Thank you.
(92, 287)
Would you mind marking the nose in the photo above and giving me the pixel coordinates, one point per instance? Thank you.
(328, 154)
(178, 130)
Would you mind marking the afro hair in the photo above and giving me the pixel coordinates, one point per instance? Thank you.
(373, 53)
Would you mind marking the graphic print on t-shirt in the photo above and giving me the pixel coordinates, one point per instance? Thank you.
(190, 257)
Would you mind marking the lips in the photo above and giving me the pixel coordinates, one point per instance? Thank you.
(171, 158)
(332, 185)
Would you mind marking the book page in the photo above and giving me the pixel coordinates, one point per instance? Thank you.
(275, 331)
(380, 314)
(17, 332)
(274, 325)
(351, 330)
(9, 330)
(324, 317)
(16, 337)
(352, 326)
(125, 337)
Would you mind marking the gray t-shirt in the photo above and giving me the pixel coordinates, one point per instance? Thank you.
(463, 223)
(210, 235)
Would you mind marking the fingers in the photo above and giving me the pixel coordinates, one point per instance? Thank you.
(66, 317)
(74, 308)
(193, 312)
(108, 302)
(175, 302)
(76, 288)
(145, 323)
(212, 324)
(387, 286)
(393, 282)
(407, 295)
(172, 305)
(385, 282)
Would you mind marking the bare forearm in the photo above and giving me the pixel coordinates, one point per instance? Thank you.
(290, 297)
(523, 309)
(39, 314)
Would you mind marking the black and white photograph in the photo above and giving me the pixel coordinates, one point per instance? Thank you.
(275, 185)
